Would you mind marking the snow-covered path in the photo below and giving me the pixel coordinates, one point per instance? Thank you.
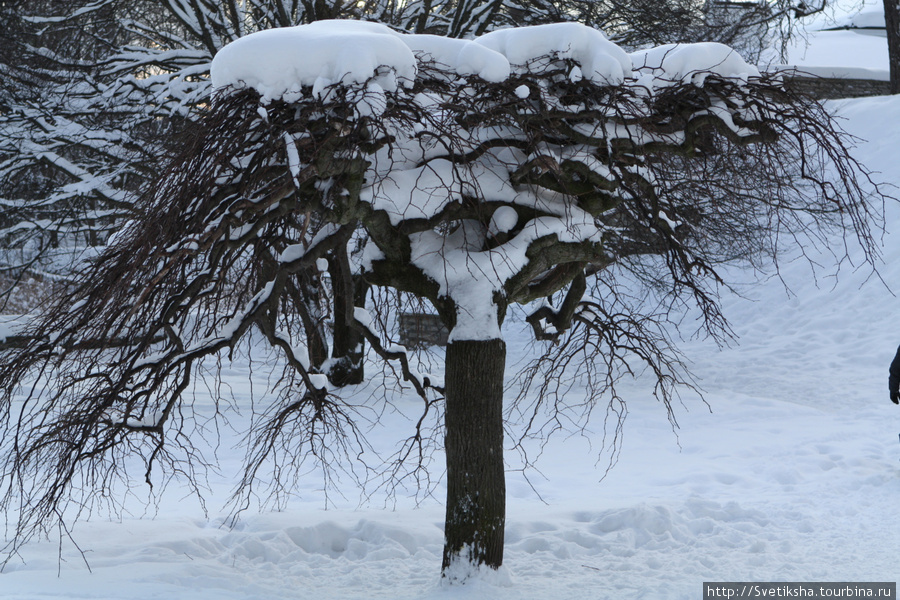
(793, 475)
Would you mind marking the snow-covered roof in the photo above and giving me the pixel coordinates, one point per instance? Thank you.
(845, 54)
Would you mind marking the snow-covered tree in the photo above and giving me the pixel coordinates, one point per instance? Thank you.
(538, 166)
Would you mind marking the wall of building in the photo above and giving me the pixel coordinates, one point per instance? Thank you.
(825, 88)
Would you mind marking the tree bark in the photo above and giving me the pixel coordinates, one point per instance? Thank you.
(892, 27)
(476, 486)
(348, 348)
(306, 297)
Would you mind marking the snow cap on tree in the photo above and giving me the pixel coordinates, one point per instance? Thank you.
(682, 63)
(599, 59)
(278, 62)
(410, 184)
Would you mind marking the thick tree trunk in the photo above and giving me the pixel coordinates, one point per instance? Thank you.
(476, 486)
(892, 26)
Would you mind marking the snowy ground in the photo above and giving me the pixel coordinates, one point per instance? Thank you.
(793, 475)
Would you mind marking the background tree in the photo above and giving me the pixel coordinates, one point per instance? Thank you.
(530, 167)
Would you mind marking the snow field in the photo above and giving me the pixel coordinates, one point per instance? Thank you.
(760, 490)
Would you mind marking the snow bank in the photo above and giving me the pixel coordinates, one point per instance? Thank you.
(844, 54)
(11, 325)
(870, 16)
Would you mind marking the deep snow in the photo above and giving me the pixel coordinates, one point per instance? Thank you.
(791, 473)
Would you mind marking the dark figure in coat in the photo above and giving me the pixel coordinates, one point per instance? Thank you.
(894, 380)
